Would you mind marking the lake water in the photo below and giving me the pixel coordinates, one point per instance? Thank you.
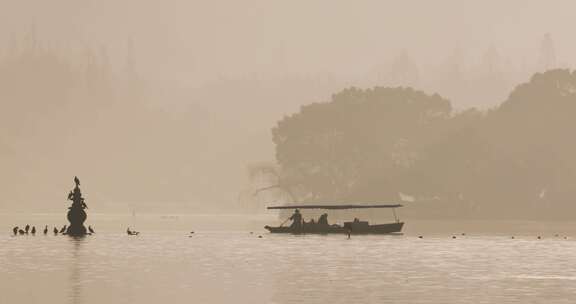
(232, 265)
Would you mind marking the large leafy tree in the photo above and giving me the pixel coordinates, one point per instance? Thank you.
(359, 145)
(516, 159)
(532, 145)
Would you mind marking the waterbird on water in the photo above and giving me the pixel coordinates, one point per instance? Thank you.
(33, 230)
(27, 228)
(55, 231)
(63, 229)
(15, 230)
(90, 229)
(420, 237)
(132, 232)
(21, 231)
(45, 230)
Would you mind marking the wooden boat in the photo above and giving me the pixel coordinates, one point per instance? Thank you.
(351, 227)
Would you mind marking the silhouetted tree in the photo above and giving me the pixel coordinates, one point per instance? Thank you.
(370, 145)
(358, 146)
(547, 53)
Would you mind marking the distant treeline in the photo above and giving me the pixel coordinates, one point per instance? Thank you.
(392, 144)
(65, 114)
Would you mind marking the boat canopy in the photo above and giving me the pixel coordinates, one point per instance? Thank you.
(332, 207)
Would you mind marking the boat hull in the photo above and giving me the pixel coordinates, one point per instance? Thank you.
(364, 229)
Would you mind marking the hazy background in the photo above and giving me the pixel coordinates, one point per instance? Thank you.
(163, 106)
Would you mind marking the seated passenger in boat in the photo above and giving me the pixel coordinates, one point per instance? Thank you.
(323, 220)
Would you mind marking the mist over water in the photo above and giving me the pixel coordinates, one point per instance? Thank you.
(180, 98)
(184, 120)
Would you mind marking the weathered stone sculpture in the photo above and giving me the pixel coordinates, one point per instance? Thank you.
(76, 214)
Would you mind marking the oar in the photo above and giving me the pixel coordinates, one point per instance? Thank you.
(284, 222)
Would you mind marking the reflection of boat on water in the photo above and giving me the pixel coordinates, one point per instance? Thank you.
(169, 217)
(322, 227)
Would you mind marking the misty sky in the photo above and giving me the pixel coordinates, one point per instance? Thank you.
(187, 41)
(202, 57)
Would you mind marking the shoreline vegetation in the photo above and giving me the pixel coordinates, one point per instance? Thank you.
(515, 160)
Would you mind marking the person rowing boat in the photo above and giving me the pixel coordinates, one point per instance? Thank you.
(296, 220)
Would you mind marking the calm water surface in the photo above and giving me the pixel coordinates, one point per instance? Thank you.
(236, 266)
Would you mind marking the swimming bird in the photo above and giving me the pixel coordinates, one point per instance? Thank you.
(21, 231)
(539, 237)
(420, 237)
(90, 229)
(131, 232)
(45, 230)
(259, 236)
(63, 229)
(15, 230)
(33, 230)
(27, 228)
(453, 236)
(55, 231)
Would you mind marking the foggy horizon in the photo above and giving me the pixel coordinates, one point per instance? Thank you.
(266, 151)
(223, 90)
